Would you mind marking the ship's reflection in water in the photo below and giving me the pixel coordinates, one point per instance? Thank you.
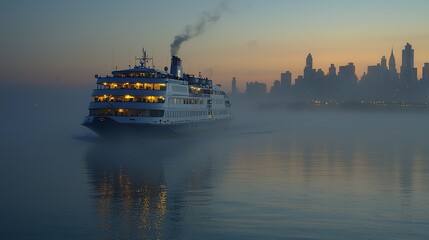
(134, 180)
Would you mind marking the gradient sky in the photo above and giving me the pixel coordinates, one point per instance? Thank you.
(68, 42)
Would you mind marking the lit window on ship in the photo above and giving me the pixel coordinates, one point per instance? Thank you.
(133, 86)
(129, 98)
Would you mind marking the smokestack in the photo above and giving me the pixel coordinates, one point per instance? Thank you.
(176, 67)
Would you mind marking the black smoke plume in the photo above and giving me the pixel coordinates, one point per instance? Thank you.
(192, 31)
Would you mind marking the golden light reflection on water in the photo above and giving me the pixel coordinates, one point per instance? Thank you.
(133, 207)
(131, 196)
(125, 193)
(105, 197)
(131, 190)
(152, 206)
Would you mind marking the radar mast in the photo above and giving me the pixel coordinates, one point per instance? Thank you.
(144, 59)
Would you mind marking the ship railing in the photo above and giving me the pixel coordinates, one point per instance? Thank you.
(131, 105)
(97, 92)
(110, 79)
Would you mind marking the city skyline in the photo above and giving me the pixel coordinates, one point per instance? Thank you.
(382, 82)
(71, 42)
(409, 71)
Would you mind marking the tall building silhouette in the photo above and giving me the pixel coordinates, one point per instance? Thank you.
(392, 67)
(348, 73)
(286, 80)
(309, 61)
(408, 72)
(234, 89)
(377, 79)
(256, 89)
(308, 70)
(383, 63)
(425, 72)
(276, 89)
(332, 71)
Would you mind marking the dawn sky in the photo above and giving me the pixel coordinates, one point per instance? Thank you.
(68, 42)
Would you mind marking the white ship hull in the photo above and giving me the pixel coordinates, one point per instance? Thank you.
(107, 126)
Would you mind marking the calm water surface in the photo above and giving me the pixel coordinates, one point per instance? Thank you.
(293, 175)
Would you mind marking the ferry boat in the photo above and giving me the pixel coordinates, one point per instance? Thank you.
(145, 100)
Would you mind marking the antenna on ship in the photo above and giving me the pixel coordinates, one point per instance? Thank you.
(144, 59)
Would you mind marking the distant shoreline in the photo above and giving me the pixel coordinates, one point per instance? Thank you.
(373, 106)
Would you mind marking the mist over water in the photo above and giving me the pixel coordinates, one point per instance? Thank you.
(270, 175)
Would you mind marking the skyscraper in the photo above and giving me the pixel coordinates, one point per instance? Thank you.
(408, 72)
(256, 89)
(286, 80)
(348, 74)
(234, 89)
(309, 61)
(383, 63)
(276, 89)
(308, 70)
(332, 71)
(425, 75)
(392, 67)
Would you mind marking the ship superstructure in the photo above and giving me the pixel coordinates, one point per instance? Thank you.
(147, 100)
